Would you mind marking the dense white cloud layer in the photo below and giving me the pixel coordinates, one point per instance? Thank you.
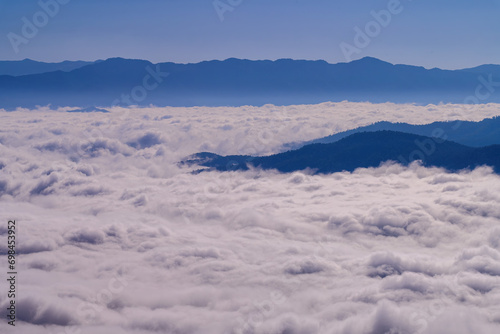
(116, 238)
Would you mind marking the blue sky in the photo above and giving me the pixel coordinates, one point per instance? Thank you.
(431, 33)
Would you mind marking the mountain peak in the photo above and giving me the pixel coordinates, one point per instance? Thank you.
(370, 61)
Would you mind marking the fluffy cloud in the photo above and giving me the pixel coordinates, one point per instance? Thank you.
(115, 237)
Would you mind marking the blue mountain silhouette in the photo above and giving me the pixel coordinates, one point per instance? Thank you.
(28, 66)
(364, 149)
(474, 134)
(239, 82)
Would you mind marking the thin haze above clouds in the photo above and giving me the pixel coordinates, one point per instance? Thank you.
(116, 238)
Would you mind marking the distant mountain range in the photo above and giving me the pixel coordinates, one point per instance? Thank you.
(240, 82)
(363, 149)
(28, 66)
(474, 134)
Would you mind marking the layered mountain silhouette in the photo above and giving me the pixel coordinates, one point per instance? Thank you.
(475, 134)
(244, 82)
(28, 66)
(364, 149)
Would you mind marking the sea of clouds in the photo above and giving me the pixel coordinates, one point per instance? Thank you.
(116, 237)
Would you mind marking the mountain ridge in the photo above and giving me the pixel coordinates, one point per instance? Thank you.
(360, 150)
(28, 66)
(475, 134)
(237, 82)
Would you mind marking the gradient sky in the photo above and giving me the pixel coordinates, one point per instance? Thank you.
(431, 33)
